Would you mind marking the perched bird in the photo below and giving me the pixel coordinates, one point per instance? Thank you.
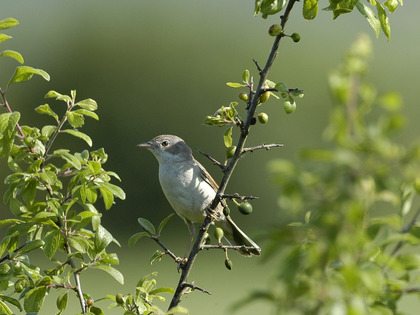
(189, 189)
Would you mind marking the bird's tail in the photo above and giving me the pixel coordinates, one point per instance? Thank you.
(236, 237)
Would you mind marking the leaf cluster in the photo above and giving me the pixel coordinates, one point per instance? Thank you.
(377, 21)
(52, 195)
(353, 248)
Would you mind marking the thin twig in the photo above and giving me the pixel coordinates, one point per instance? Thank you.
(404, 230)
(225, 247)
(167, 251)
(262, 146)
(215, 162)
(237, 196)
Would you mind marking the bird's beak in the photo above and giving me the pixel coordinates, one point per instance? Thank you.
(146, 145)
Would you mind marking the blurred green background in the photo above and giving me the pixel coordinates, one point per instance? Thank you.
(159, 67)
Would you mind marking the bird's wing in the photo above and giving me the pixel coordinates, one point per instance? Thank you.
(207, 177)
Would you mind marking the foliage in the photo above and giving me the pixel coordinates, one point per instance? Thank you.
(52, 195)
(338, 7)
(354, 249)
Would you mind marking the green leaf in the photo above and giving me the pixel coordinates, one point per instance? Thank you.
(97, 311)
(147, 225)
(134, 238)
(4, 309)
(162, 290)
(78, 134)
(29, 192)
(17, 207)
(76, 120)
(64, 154)
(24, 73)
(52, 241)
(102, 239)
(370, 16)
(384, 20)
(12, 54)
(4, 37)
(227, 137)
(48, 130)
(114, 189)
(235, 85)
(88, 113)
(34, 299)
(177, 310)
(8, 122)
(11, 300)
(58, 96)
(164, 221)
(45, 109)
(30, 246)
(62, 301)
(246, 76)
(107, 197)
(270, 7)
(8, 23)
(88, 104)
(112, 271)
(310, 9)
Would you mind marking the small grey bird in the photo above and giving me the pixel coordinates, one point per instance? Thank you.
(189, 189)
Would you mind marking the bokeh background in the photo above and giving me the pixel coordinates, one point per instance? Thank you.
(159, 67)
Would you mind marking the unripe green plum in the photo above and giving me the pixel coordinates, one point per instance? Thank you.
(275, 30)
(263, 118)
(218, 234)
(264, 97)
(244, 96)
(245, 208)
(228, 264)
(289, 107)
(295, 37)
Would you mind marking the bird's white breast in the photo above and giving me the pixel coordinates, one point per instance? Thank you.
(185, 189)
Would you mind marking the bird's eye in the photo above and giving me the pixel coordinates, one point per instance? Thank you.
(165, 143)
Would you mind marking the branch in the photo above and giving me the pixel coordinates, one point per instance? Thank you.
(232, 163)
(404, 230)
(167, 251)
(237, 196)
(225, 247)
(262, 146)
(215, 162)
(193, 287)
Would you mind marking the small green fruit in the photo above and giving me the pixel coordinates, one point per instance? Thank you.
(244, 96)
(275, 30)
(289, 107)
(264, 97)
(228, 264)
(218, 234)
(119, 298)
(295, 37)
(263, 118)
(230, 151)
(245, 208)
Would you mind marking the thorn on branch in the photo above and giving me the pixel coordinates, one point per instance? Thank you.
(258, 66)
(166, 251)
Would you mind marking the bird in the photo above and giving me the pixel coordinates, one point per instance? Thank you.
(190, 189)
